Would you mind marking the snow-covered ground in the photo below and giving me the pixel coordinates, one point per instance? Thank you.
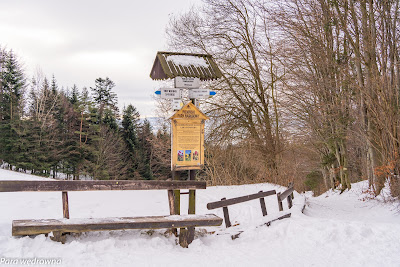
(335, 230)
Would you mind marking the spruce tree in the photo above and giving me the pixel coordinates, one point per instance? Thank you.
(145, 154)
(103, 97)
(12, 86)
(130, 121)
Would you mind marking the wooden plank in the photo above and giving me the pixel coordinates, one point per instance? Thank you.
(286, 193)
(34, 186)
(65, 205)
(279, 218)
(263, 207)
(76, 225)
(232, 201)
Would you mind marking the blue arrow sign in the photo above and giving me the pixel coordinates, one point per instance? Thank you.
(212, 93)
(157, 92)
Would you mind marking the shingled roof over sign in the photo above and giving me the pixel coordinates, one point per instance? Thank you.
(169, 65)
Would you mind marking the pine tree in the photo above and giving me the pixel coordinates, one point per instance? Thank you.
(74, 98)
(145, 154)
(130, 121)
(103, 97)
(12, 88)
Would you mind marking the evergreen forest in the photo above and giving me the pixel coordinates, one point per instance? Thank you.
(67, 132)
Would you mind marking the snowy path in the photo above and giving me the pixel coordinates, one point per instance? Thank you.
(335, 230)
(357, 232)
(349, 206)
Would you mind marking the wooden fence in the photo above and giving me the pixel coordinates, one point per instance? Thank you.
(224, 203)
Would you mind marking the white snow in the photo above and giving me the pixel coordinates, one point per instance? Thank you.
(335, 229)
(186, 60)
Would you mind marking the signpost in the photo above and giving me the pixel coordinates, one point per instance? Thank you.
(200, 93)
(187, 124)
(187, 82)
(187, 151)
(170, 93)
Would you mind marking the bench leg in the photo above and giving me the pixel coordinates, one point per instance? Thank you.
(186, 236)
(59, 237)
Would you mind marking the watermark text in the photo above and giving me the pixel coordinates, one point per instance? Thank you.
(30, 261)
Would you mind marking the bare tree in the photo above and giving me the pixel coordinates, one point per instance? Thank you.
(233, 32)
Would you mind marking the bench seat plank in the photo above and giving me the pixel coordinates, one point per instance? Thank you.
(95, 185)
(77, 225)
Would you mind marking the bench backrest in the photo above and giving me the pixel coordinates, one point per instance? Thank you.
(98, 185)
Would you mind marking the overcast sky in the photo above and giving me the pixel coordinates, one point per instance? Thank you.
(79, 41)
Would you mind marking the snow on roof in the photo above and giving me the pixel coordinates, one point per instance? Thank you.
(186, 60)
(168, 65)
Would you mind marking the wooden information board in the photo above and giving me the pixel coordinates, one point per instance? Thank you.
(187, 138)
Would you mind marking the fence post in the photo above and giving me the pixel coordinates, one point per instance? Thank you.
(226, 215)
(291, 185)
(263, 207)
(289, 201)
(279, 201)
(65, 204)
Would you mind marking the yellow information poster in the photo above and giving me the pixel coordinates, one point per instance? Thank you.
(187, 138)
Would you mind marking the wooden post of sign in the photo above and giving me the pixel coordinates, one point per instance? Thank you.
(177, 194)
(192, 206)
(192, 194)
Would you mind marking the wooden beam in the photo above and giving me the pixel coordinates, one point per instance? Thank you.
(279, 201)
(286, 193)
(226, 216)
(289, 201)
(171, 202)
(65, 205)
(263, 207)
(291, 185)
(232, 201)
(76, 225)
(34, 186)
(192, 202)
(177, 200)
(192, 194)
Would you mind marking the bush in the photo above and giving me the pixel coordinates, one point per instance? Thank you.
(314, 181)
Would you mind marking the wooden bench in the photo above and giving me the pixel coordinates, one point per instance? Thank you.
(61, 227)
